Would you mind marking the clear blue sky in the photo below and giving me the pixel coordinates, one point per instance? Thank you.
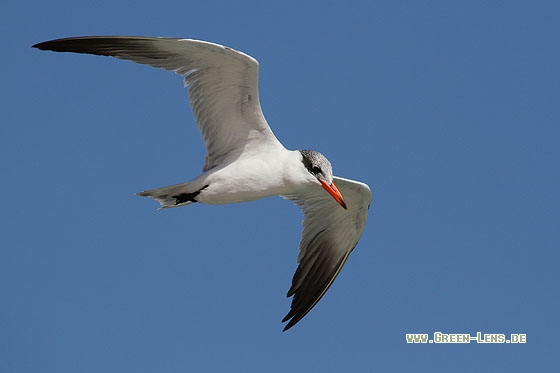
(448, 110)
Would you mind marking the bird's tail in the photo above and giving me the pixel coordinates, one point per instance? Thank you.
(172, 196)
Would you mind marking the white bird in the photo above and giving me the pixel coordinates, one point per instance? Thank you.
(244, 160)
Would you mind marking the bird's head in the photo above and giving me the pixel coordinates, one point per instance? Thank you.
(320, 167)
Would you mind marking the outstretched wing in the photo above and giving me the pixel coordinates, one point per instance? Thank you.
(223, 85)
(330, 233)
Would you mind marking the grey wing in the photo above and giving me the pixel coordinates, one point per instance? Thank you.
(223, 85)
(330, 233)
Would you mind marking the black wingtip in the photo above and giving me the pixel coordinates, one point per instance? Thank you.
(77, 44)
(80, 44)
(52, 45)
(288, 326)
(293, 320)
(47, 45)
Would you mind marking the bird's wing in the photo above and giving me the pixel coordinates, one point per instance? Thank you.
(223, 85)
(330, 233)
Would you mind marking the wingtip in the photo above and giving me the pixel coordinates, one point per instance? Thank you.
(45, 45)
(292, 320)
(289, 325)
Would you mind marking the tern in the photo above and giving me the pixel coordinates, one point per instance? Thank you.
(244, 160)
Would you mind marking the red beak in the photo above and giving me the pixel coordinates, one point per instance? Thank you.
(334, 192)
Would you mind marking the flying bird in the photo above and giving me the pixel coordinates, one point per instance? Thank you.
(244, 160)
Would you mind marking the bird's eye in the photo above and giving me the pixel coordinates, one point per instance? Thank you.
(317, 170)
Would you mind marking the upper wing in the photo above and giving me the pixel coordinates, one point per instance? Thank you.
(223, 85)
(330, 233)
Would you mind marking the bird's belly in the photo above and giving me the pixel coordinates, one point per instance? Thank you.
(245, 182)
(220, 197)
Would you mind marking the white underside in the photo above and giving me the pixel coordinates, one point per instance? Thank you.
(248, 178)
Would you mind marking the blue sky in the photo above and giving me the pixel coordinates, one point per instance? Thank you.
(448, 110)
